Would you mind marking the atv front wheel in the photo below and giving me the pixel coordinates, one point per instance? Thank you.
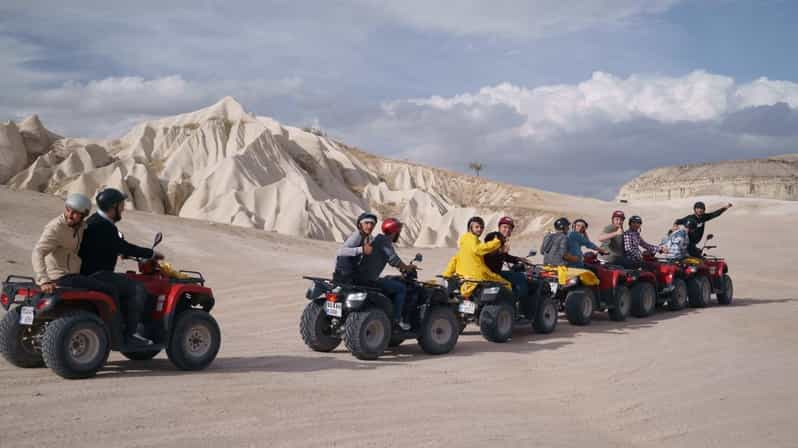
(496, 322)
(195, 341)
(579, 306)
(678, 297)
(17, 342)
(368, 333)
(141, 356)
(698, 291)
(726, 295)
(315, 328)
(545, 320)
(623, 304)
(439, 331)
(76, 345)
(644, 299)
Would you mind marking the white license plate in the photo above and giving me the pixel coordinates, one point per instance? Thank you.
(554, 287)
(467, 307)
(26, 315)
(334, 309)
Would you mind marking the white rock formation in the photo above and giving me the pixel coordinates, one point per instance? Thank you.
(223, 164)
(772, 178)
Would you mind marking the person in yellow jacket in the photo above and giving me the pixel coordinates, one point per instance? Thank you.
(469, 264)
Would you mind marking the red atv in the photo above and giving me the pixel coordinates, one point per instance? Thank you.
(671, 282)
(73, 330)
(706, 276)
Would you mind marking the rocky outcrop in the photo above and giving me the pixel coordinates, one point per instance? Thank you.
(771, 178)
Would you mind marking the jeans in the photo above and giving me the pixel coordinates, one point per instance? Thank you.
(397, 291)
(518, 280)
(134, 297)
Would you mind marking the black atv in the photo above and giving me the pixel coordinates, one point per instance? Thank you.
(497, 310)
(363, 317)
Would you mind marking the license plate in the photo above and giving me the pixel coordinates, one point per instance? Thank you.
(334, 309)
(554, 287)
(26, 315)
(467, 307)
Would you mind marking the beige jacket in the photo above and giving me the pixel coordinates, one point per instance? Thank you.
(56, 253)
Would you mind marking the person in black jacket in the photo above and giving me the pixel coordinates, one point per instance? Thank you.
(102, 245)
(699, 217)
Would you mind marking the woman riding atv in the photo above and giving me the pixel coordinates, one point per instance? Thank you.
(469, 262)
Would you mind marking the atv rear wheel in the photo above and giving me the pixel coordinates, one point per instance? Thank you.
(726, 295)
(439, 331)
(698, 291)
(315, 328)
(195, 341)
(579, 306)
(141, 356)
(678, 297)
(644, 299)
(368, 333)
(17, 341)
(545, 320)
(496, 322)
(76, 345)
(623, 304)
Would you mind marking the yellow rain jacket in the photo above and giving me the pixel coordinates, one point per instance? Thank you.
(469, 264)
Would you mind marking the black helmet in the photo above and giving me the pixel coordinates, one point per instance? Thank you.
(108, 198)
(691, 223)
(475, 219)
(561, 223)
(700, 205)
(636, 219)
(366, 217)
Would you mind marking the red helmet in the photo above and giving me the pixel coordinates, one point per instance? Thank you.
(618, 214)
(507, 220)
(391, 226)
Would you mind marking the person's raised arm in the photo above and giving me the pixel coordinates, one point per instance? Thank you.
(482, 249)
(716, 213)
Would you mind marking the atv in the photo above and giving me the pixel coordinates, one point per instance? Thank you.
(670, 281)
(72, 330)
(706, 276)
(498, 311)
(363, 317)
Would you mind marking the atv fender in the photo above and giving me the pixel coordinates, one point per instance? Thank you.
(183, 297)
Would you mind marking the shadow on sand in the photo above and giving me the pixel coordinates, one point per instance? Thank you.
(524, 341)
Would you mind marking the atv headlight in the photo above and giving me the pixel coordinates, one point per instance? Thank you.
(355, 299)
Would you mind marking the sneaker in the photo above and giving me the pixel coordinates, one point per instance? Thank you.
(404, 325)
(136, 338)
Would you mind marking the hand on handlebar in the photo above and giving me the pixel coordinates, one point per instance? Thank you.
(157, 256)
(47, 288)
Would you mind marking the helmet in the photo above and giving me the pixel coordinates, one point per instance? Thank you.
(507, 220)
(618, 214)
(636, 219)
(561, 223)
(79, 203)
(366, 217)
(691, 223)
(108, 198)
(582, 221)
(475, 219)
(700, 205)
(391, 226)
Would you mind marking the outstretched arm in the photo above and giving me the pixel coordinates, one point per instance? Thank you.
(483, 249)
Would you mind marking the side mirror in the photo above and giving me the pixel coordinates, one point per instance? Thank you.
(418, 258)
(532, 253)
(158, 239)
(710, 236)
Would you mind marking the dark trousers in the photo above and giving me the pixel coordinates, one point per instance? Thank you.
(133, 296)
(85, 282)
(694, 251)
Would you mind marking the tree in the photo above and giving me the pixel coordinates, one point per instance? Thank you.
(476, 166)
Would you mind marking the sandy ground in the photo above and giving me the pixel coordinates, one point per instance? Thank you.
(720, 376)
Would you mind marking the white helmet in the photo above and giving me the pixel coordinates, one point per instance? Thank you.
(79, 203)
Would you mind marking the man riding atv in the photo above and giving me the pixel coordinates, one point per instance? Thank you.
(612, 238)
(101, 247)
(382, 252)
(354, 248)
(469, 262)
(632, 242)
(55, 256)
(496, 259)
(700, 216)
(577, 239)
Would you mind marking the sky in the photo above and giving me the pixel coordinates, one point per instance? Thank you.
(570, 96)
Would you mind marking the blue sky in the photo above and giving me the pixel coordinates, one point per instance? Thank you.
(573, 96)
